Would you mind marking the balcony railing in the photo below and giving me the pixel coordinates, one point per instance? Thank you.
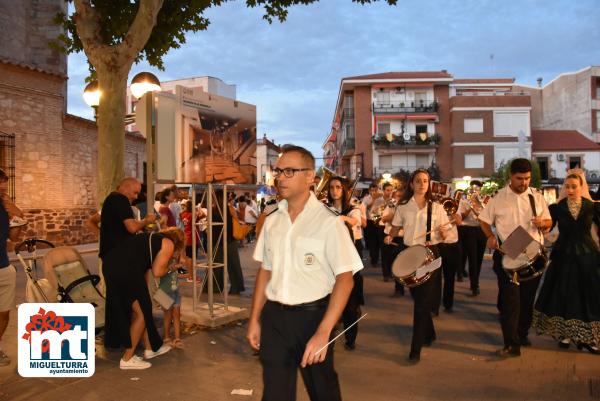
(416, 106)
(347, 144)
(432, 140)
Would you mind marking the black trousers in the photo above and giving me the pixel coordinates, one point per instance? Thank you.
(394, 250)
(373, 240)
(388, 254)
(284, 334)
(516, 304)
(451, 258)
(424, 297)
(351, 312)
(473, 247)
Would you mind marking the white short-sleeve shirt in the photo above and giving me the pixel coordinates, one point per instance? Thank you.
(305, 256)
(471, 219)
(414, 222)
(507, 210)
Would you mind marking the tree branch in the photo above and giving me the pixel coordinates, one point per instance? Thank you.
(87, 23)
(140, 30)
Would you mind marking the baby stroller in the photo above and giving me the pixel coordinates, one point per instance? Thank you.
(71, 281)
(36, 290)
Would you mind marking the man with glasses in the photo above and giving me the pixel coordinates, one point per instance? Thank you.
(302, 287)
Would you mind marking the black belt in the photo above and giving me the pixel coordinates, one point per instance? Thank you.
(313, 305)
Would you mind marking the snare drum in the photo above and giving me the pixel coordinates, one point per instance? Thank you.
(530, 264)
(404, 268)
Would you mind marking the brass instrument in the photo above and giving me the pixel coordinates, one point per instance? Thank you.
(476, 202)
(379, 214)
(323, 188)
(450, 204)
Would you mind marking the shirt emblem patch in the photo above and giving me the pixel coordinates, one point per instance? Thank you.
(309, 259)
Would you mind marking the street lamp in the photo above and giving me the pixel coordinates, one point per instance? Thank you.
(386, 176)
(92, 95)
(144, 82)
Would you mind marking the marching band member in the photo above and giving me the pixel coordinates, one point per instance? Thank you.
(385, 208)
(568, 305)
(390, 251)
(451, 253)
(472, 239)
(511, 207)
(417, 214)
(338, 197)
(307, 261)
(371, 235)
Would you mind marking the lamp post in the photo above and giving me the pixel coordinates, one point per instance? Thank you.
(92, 95)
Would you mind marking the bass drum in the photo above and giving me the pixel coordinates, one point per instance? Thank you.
(404, 268)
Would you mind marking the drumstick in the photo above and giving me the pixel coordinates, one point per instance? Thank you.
(336, 337)
(435, 229)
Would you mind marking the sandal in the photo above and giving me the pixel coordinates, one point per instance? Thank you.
(178, 343)
(167, 341)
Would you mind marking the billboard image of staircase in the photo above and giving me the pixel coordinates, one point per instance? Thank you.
(215, 139)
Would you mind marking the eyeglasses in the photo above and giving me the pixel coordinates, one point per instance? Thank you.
(288, 171)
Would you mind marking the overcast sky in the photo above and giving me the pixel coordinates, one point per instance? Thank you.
(292, 71)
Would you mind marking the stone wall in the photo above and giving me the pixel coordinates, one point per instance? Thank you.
(60, 226)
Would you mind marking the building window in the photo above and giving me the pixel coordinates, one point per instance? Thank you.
(473, 125)
(383, 128)
(543, 163)
(474, 160)
(385, 162)
(575, 162)
(383, 98)
(598, 120)
(511, 123)
(421, 128)
(598, 88)
(349, 131)
(422, 161)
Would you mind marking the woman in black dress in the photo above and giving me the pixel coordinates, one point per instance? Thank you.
(128, 303)
(568, 305)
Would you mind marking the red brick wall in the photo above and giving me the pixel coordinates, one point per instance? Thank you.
(363, 127)
(444, 151)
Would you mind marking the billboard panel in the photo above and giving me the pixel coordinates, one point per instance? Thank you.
(215, 139)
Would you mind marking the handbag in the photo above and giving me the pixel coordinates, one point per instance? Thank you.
(239, 230)
(160, 296)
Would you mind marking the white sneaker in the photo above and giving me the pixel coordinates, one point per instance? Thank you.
(149, 354)
(134, 363)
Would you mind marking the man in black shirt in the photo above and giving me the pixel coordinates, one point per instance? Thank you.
(8, 274)
(116, 219)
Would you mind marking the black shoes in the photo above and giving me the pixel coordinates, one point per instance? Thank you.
(590, 348)
(429, 342)
(414, 358)
(509, 352)
(525, 342)
(475, 292)
(350, 347)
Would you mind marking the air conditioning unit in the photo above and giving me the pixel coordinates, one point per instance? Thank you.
(560, 157)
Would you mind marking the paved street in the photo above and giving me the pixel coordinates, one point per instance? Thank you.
(459, 366)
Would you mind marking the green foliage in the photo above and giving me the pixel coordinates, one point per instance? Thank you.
(174, 20)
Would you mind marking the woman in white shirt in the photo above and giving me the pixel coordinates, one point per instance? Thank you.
(416, 215)
(339, 199)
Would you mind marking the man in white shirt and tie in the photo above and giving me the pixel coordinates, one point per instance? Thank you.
(302, 286)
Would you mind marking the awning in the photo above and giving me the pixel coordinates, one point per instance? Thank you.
(406, 117)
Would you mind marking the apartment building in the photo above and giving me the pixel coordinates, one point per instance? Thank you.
(407, 120)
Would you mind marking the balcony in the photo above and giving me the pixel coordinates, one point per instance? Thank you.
(398, 141)
(347, 144)
(413, 106)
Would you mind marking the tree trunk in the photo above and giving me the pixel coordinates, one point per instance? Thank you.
(111, 128)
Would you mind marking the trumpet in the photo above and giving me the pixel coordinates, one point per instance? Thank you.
(476, 202)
